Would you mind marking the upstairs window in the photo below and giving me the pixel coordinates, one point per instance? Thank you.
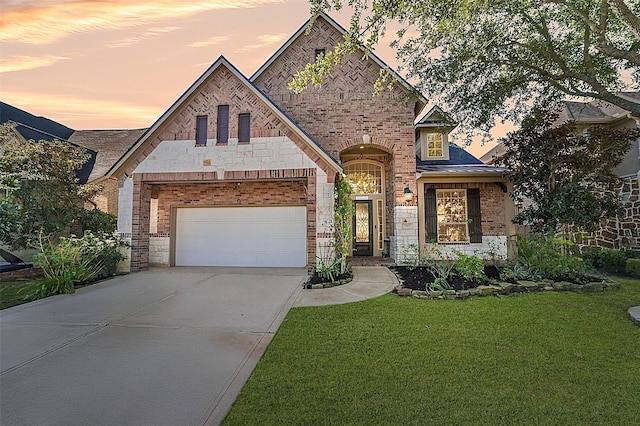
(244, 127)
(318, 53)
(223, 124)
(435, 145)
(201, 130)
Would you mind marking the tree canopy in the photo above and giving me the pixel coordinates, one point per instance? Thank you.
(565, 171)
(486, 58)
(40, 189)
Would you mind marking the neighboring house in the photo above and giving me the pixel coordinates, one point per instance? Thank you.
(104, 147)
(623, 231)
(241, 172)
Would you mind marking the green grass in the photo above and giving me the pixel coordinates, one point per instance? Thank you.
(17, 292)
(545, 359)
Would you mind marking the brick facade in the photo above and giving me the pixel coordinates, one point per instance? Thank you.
(281, 165)
(344, 108)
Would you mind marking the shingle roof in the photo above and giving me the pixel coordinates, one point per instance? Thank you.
(460, 161)
(110, 145)
(33, 127)
(580, 111)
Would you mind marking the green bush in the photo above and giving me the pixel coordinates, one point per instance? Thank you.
(633, 268)
(548, 257)
(611, 261)
(74, 260)
(99, 222)
(469, 266)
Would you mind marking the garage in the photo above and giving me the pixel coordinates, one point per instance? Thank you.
(241, 236)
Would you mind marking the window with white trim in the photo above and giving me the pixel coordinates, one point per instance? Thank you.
(453, 215)
(451, 206)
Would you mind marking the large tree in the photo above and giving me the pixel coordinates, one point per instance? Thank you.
(40, 189)
(486, 58)
(565, 172)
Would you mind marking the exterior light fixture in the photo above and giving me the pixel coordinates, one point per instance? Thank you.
(408, 194)
(366, 139)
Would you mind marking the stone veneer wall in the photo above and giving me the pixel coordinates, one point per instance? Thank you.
(622, 232)
(406, 220)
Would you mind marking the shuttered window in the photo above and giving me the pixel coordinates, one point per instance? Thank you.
(201, 130)
(223, 124)
(453, 215)
(473, 213)
(244, 127)
(431, 216)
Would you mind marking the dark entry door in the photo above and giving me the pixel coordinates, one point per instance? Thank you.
(363, 228)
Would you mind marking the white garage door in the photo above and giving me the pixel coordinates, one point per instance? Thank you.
(241, 236)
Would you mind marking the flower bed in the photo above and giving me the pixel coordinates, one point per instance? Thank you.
(415, 281)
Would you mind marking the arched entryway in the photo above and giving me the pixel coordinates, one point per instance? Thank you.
(369, 182)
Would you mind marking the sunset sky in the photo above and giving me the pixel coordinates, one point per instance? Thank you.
(119, 64)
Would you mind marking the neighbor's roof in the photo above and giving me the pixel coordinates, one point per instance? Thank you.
(110, 145)
(33, 127)
(221, 62)
(342, 31)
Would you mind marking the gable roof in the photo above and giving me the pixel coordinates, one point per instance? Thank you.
(342, 31)
(435, 117)
(195, 86)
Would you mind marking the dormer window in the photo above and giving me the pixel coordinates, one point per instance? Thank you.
(432, 145)
(435, 145)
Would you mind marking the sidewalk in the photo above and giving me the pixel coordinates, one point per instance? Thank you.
(368, 282)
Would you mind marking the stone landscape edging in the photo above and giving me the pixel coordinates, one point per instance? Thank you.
(504, 288)
(308, 286)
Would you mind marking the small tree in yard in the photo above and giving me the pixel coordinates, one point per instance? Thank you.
(41, 194)
(567, 171)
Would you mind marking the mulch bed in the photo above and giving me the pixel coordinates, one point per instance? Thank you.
(418, 277)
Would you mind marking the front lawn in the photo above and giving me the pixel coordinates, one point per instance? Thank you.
(17, 292)
(546, 358)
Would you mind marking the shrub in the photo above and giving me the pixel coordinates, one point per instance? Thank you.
(74, 260)
(633, 268)
(549, 257)
(99, 222)
(469, 266)
(611, 261)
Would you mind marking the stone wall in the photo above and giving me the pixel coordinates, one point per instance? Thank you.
(623, 231)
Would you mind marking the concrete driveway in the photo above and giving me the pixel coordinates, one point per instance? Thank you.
(170, 346)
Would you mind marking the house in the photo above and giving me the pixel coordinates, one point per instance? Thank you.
(623, 231)
(241, 171)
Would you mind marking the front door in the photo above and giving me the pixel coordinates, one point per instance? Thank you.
(363, 228)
